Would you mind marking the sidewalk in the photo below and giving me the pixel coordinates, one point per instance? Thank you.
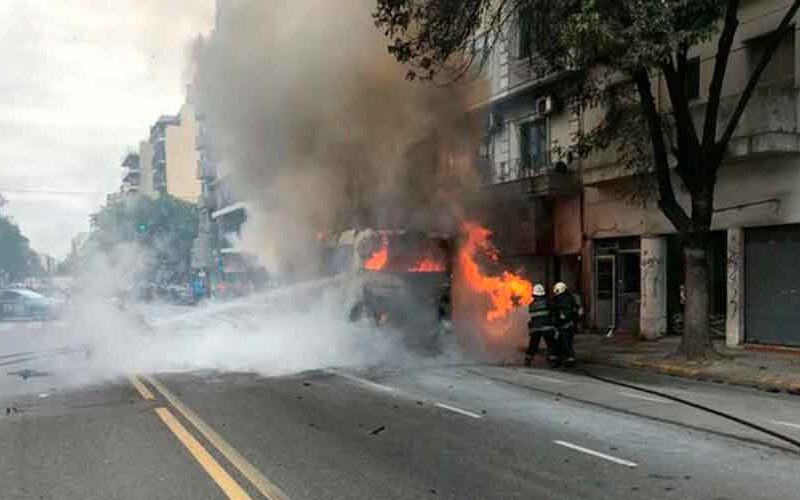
(770, 371)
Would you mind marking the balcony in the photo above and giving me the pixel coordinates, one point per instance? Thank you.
(132, 177)
(769, 125)
(532, 179)
(206, 169)
(129, 189)
(131, 161)
(159, 179)
(203, 139)
(159, 155)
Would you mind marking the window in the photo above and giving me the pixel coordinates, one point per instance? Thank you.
(693, 78)
(781, 66)
(502, 171)
(533, 31)
(533, 145)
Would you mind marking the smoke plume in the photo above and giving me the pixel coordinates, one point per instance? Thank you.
(319, 130)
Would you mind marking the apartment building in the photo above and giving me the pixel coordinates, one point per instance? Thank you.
(216, 255)
(174, 154)
(569, 220)
(531, 197)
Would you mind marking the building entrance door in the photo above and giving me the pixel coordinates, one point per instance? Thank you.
(605, 277)
(617, 284)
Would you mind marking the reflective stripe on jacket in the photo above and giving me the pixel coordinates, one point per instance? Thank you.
(541, 316)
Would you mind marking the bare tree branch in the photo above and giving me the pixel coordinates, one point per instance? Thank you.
(688, 144)
(772, 47)
(666, 194)
(720, 67)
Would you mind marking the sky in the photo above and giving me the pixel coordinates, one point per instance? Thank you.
(81, 82)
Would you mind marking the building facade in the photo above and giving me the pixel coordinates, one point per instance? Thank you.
(131, 176)
(172, 148)
(146, 169)
(531, 194)
(625, 258)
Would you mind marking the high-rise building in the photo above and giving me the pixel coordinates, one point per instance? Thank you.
(174, 154)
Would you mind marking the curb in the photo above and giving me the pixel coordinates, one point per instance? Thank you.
(768, 384)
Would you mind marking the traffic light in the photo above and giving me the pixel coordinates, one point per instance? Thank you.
(143, 227)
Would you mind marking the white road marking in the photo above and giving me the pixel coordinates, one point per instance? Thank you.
(459, 410)
(34, 325)
(643, 397)
(597, 454)
(787, 424)
(363, 381)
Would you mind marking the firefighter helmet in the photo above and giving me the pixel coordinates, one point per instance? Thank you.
(538, 291)
(559, 288)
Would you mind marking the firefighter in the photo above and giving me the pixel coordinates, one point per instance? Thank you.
(566, 313)
(540, 325)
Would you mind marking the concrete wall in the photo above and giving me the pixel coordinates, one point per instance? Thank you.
(567, 226)
(771, 196)
(146, 168)
(756, 18)
(182, 156)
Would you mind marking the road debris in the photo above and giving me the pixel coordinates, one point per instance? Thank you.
(28, 373)
(378, 430)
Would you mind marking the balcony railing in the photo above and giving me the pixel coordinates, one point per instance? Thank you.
(131, 176)
(522, 168)
(159, 179)
(537, 176)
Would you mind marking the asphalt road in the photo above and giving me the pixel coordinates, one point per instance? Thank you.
(425, 431)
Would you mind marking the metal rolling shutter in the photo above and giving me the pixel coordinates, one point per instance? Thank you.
(772, 285)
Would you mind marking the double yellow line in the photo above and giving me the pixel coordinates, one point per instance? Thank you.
(228, 484)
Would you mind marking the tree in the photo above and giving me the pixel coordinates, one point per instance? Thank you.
(633, 42)
(17, 260)
(166, 226)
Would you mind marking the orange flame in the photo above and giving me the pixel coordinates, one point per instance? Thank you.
(507, 291)
(379, 259)
(427, 265)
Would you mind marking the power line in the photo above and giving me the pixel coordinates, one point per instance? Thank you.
(52, 191)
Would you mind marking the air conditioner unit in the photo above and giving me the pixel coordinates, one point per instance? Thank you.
(544, 105)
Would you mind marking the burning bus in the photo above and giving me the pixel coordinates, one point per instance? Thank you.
(396, 278)
(404, 279)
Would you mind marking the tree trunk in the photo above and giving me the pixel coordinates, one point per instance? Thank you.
(696, 344)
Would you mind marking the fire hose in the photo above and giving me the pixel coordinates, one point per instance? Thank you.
(719, 413)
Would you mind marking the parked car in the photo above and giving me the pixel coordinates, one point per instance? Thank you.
(19, 303)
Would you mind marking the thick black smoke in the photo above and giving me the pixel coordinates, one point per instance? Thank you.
(319, 129)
